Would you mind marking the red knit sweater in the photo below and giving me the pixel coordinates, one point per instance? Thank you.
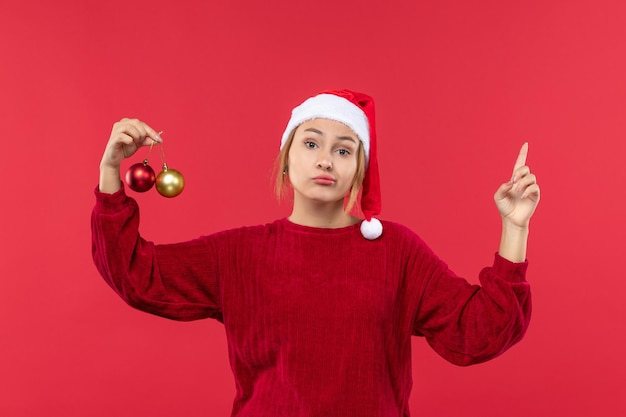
(318, 321)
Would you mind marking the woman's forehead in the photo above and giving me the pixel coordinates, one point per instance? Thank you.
(327, 127)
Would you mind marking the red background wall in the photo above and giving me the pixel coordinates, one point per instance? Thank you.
(459, 86)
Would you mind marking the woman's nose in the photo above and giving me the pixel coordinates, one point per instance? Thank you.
(325, 164)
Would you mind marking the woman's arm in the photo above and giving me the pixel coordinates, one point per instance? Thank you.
(468, 324)
(177, 281)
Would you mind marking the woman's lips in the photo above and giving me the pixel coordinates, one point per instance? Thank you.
(324, 180)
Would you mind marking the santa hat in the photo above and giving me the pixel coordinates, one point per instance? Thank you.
(355, 110)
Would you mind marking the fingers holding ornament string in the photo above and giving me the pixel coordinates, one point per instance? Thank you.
(141, 133)
(127, 136)
(134, 134)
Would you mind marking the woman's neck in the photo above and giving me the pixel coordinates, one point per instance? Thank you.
(322, 215)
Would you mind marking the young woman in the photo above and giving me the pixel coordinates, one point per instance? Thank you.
(319, 308)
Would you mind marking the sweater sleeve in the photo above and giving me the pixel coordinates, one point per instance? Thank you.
(468, 324)
(177, 281)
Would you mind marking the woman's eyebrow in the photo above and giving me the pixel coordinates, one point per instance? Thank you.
(350, 138)
(310, 129)
(319, 132)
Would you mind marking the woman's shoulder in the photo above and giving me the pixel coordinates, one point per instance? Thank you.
(398, 230)
(398, 234)
(246, 231)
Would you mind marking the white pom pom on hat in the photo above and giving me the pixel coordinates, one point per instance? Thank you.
(356, 110)
(371, 229)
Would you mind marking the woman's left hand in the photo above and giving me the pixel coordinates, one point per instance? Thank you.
(517, 199)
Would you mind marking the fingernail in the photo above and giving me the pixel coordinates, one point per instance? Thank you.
(514, 179)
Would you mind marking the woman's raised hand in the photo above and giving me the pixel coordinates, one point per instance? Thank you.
(127, 136)
(517, 199)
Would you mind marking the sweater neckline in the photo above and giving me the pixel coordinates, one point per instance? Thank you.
(289, 225)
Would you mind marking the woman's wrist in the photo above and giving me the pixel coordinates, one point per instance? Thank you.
(513, 241)
(109, 179)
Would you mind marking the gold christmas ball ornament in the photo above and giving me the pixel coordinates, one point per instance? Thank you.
(169, 182)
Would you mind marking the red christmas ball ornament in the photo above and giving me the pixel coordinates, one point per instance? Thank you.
(140, 177)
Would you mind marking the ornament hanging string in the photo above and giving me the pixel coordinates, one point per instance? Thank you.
(163, 156)
(145, 161)
(162, 152)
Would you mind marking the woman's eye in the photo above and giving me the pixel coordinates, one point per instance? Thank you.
(343, 152)
(310, 144)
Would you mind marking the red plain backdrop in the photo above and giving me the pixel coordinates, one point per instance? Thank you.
(459, 87)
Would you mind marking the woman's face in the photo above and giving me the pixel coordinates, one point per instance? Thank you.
(322, 160)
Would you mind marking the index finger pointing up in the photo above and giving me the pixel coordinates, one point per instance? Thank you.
(521, 158)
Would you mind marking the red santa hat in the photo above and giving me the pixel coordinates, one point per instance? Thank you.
(355, 110)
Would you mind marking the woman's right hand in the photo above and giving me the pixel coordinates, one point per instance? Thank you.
(127, 136)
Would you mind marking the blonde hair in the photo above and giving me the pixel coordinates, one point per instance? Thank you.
(282, 185)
